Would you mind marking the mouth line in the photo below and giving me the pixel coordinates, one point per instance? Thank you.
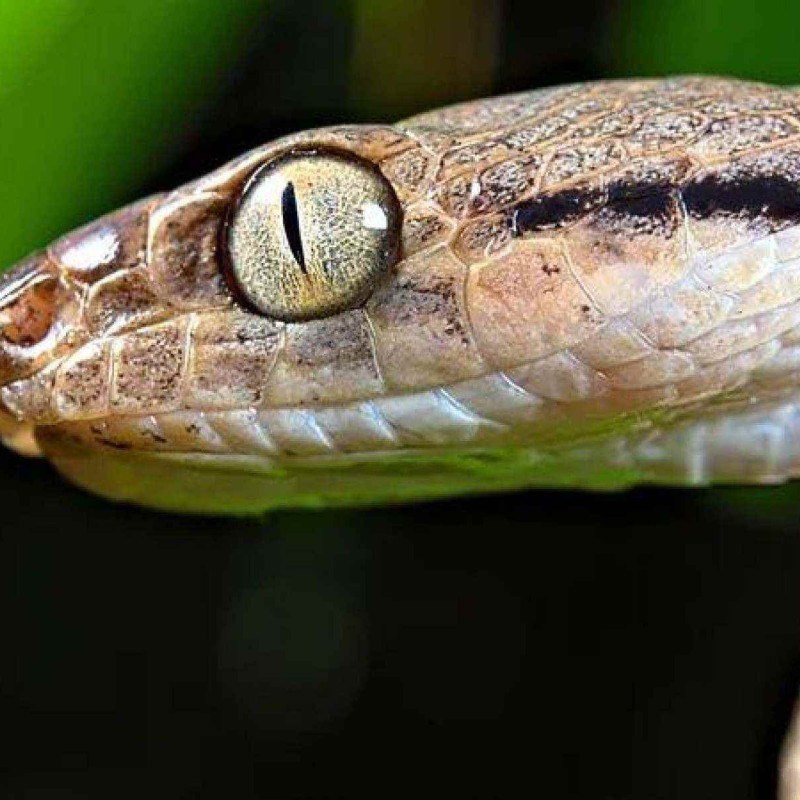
(16, 435)
(397, 424)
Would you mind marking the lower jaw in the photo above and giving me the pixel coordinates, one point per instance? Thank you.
(245, 485)
(739, 445)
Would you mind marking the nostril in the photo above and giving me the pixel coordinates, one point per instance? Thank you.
(37, 313)
(27, 317)
(29, 303)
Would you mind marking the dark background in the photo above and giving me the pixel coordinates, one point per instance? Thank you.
(564, 645)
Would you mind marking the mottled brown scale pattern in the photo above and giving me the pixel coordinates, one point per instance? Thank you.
(528, 138)
(610, 246)
(183, 250)
(124, 299)
(666, 131)
(482, 238)
(408, 171)
(467, 156)
(617, 123)
(326, 361)
(741, 134)
(424, 226)
(505, 183)
(667, 170)
(148, 368)
(231, 355)
(576, 163)
(83, 382)
(421, 324)
(454, 196)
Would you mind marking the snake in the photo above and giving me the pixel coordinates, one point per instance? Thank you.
(590, 286)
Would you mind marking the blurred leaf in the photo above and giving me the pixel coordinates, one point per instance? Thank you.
(28, 31)
(94, 95)
(764, 508)
(447, 52)
(745, 38)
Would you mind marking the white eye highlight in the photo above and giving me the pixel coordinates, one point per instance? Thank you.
(374, 217)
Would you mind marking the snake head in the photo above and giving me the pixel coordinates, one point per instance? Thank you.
(39, 312)
(259, 286)
(381, 311)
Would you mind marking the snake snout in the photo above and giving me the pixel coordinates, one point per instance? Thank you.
(27, 304)
(27, 311)
(35, 307)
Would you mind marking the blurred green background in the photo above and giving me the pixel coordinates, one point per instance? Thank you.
(637, 645)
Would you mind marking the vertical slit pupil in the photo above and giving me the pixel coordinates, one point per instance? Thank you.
(291, 224)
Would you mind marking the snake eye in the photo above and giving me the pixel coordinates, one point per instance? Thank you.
(311, 235)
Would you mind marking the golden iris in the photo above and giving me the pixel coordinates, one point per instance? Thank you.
(311, 235)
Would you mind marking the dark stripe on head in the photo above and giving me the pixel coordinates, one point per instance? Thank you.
(774, 198)
(554, 210)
